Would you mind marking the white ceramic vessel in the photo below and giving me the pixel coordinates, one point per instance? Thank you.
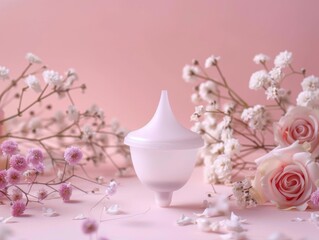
(163, 152)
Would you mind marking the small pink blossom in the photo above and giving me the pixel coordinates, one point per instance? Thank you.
(89, 226)
(18, 208)
(3, 179)
(65, 191)
(315, 198)
(39, 168)
(9, 148)
(35, 156)
(73, 155)
(13, 176)
(18, 162)
(42, 194)
(16, 194)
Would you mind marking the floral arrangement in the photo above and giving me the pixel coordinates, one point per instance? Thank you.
(35, 141)
(287, 175)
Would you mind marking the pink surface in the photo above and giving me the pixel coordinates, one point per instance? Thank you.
(142, 219)
(127, 51)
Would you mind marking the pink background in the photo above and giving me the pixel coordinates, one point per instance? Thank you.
(127, 51)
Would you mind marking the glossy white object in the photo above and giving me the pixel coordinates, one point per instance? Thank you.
(163, 152)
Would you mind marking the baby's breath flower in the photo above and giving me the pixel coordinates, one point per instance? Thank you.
(208, 91)
(283, 59)
(65, 191)
(73, 113)
(33, 83)
(9, 147)
(211, 61)
(3, 179)
(18, 208)
(52, 78)
(13, 176)
(276, 74)
(73, 155)
(310, 83)
(260, 58)
(89, 226)
(189, 73)
(4, 73)
(87, 133)
(308, 99)
(33, 58)
(258, 80)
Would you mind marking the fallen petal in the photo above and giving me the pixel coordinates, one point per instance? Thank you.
(278, 236)
(203, 224)
(6, 220)
(49, 212)
(184, 220)
(233, 236)
(113, 209)
(298, 219)
(79, 217)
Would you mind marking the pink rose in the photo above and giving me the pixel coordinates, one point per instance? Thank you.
(286, 177)
(299, 124)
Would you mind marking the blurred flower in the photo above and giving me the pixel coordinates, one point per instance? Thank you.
(89, 226)
(9, 148)
(3, 179)
(190, 72)
(33, 58)
(42, 194)
(73, 155)
(13, 176)
(18, 208)
(211, 61)
(73, 113)
(315, 198)
(65, 191)
(208, 91)
(4, 73)
(33, 83)
(35, 156)
(18, 162)
(16, 194)
(52, 78)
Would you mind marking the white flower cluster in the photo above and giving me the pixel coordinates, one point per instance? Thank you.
(223, 118)
(309, 97)
(256, 117)
(271, 80)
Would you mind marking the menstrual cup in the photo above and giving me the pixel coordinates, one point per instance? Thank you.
(163, 152)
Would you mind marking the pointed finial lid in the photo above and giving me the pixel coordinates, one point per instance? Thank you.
(163, 131)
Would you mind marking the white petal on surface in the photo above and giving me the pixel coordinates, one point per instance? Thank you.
(314, 217)
(209, 212)
(234, 217)
(233, 236)
(49, 212)
(203, 224)
(5, 220)
(278, 236)
(79, 217)
(184, 220)
(298, 219)
(113, 209)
